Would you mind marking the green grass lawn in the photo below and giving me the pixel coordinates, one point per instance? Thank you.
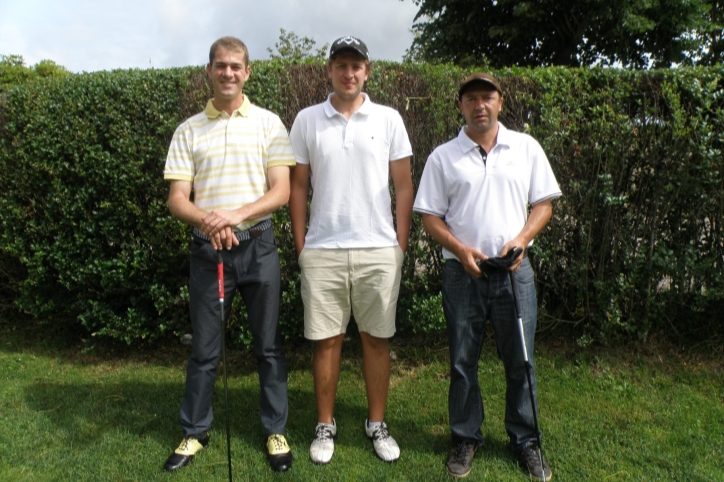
(617, 415)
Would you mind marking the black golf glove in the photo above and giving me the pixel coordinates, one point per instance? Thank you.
(493, 265)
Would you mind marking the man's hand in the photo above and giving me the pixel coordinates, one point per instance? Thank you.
(469, 258)
(516, 242)
(218, 226)
(224, 239)
(219, 219)
(539, 216)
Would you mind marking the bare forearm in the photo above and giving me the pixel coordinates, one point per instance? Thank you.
(539, 216)
(438, 230)
(298, 204)
(271, 201)
(403, 216)
(183, 209)
(404, 197)
(468, 256)
(298, 216)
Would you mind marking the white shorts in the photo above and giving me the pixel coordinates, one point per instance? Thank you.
(335, 282)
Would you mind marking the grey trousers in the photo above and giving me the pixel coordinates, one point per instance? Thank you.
(252, 268)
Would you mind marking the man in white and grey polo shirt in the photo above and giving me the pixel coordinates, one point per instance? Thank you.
(235, 157)
(351, 256)
(474, 197)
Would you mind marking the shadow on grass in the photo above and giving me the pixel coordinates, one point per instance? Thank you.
(84, 414)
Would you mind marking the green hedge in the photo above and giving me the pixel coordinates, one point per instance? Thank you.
(635, 245)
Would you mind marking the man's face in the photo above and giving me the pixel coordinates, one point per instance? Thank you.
(228, 73)
(480, 106)
(348, 73)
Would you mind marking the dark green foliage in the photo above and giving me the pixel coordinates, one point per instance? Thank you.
(635, 246)
(632, 33)
(84, 208)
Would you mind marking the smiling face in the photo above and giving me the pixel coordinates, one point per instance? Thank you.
(228, 73)
(348, 72)
(480, 106)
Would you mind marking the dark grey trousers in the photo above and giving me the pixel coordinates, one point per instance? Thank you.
(252, 268)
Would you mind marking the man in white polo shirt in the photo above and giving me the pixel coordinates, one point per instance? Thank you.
(474, 197)
(351, 255)
(235, 157)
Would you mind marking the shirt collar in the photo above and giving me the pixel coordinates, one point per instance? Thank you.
(243, 109)
(364, 109)
(466, 144)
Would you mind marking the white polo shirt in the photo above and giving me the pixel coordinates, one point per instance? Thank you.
(349, 162)
(485, 205)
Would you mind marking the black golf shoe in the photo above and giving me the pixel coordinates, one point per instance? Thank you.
(533, 462)
(185, 452)
(460, 460)
(280, 455)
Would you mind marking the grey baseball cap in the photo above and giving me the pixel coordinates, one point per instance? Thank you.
(349, 42)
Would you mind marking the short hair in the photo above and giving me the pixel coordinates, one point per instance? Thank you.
(230, 43)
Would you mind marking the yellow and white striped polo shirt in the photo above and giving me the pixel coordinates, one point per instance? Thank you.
(226, 157)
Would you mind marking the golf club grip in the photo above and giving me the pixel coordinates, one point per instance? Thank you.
(220, 271)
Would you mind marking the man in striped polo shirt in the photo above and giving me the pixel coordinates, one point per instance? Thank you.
(235, 157)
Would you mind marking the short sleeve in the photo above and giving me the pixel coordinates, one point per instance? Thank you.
(179, 161)
(543, 184)
(400, 146)
(279, 152)
(297, 138)
(432, 194)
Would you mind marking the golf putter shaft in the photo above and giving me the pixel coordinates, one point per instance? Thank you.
(220, 271)
(528, 365)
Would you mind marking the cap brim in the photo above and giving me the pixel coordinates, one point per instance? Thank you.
(467, 85)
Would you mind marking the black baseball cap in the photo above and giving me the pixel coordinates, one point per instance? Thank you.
(349, 42)
(479, 77)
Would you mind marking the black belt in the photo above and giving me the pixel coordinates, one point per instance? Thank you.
(252, 232)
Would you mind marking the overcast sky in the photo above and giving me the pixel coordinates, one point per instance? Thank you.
(90, 35)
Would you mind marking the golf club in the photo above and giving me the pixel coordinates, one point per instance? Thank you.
(220, 271)
(528, 365)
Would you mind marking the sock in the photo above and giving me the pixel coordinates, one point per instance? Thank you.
(373, 424)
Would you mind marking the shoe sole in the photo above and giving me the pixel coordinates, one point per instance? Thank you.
(386, 461)
(320, 463)
(539, 479)
(280, 468)
(185, 464)
(459, 476)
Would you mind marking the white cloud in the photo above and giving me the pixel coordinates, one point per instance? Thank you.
(102, 34)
